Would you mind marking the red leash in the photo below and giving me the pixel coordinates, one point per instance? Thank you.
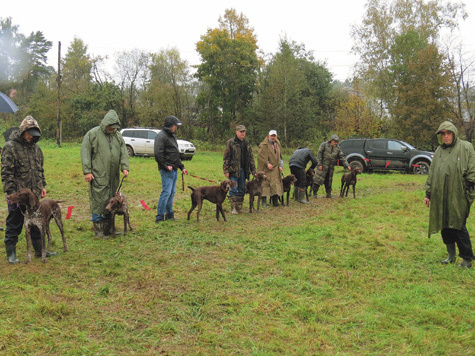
(183, 179)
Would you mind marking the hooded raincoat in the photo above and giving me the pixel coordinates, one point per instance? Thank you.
(104, 155)
(450, 185)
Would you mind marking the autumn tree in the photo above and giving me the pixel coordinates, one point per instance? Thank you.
(379, 39)
(228, 70)
(355, 115)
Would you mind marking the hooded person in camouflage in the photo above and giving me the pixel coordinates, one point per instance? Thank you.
(103, 156)
(328, 155)
(450, 192)
(22, 167)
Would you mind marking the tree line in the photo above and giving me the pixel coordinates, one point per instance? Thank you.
(409, 79)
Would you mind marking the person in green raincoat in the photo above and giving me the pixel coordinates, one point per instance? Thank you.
(103, 155)
(450, 191)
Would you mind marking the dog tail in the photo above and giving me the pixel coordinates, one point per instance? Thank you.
(192, 189)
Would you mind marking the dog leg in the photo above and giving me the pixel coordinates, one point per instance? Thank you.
(259, 198)
(59, 223)
(193, 206)
(128, 220)
(354, 194)
(200, 205)
(112, 222)
(28, 243)
(44, 231)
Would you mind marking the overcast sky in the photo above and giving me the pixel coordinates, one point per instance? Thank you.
(108, 27)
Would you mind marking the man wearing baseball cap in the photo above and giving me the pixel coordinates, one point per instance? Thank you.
(269, 161)
(168, 159)
(328, 155)
(238, 164)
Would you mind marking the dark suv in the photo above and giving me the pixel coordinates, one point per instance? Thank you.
(386, 154)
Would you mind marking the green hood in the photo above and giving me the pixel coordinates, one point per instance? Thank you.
(447, 125)
(109, 119)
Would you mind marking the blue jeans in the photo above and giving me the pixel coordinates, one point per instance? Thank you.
(165, 203)
(99, 217)
(240, 188)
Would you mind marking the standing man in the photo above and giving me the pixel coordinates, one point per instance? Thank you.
(22, 167)
(450, 192)
(269, 161)
(167, 156)
(238, 164)
(298, 162)
(103, 156)
(328, 155)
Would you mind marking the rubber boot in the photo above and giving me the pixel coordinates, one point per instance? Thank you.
(170, 216)
(466, 263)
(264, 202)
(233, 202)
(329, 195)
(302, 197)
(107, 226)
(11, 254)
(159, 219)
(37, 247)
(98, 230)
(451, 257)
(239, 201)
(275, 201)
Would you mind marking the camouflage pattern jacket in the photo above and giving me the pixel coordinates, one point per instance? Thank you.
(22, 166)
(232, 159)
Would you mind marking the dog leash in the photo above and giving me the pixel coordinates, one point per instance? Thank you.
(183, 179)
(120, 186)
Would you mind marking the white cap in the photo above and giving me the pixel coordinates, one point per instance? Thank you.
(272, 132)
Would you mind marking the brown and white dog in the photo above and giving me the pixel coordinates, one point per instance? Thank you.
(38, 213)
(118, 206)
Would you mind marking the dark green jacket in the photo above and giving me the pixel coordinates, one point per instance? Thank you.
(451, 173)
(22, 166)
(104, 155)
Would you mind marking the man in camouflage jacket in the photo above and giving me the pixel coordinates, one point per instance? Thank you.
(238, 164)
(328, 155)
(22, 167)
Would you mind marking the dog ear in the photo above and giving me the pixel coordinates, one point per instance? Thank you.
(32, 199)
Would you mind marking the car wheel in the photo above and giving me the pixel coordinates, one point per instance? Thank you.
(421, 167)
(358, 164)
(130, 150)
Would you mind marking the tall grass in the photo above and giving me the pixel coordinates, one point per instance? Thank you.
(338, 276)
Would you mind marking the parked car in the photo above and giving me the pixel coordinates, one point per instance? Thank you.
(386, 154)
(140, 141)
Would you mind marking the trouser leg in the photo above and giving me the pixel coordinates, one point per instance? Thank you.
(461, 238)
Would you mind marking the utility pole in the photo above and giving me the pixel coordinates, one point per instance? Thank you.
(59, 133)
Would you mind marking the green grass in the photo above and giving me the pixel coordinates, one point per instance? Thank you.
(335, 277)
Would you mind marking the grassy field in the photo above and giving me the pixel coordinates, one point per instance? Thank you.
(335, 277)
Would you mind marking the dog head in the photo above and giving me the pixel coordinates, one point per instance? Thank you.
(24, 196)
(356, 170)
(291, 179)
(260, 176)
(310, 172)
(115, 203)
(227, 184)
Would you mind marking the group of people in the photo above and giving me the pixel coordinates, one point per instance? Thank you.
(450, 186)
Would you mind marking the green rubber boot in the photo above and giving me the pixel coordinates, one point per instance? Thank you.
(451, 257)
(11, 254)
